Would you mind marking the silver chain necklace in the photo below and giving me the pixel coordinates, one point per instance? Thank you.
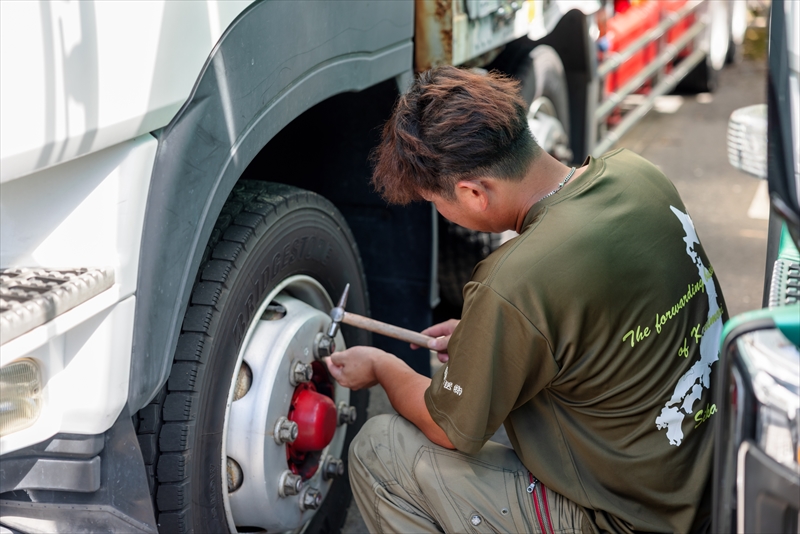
(560, 185)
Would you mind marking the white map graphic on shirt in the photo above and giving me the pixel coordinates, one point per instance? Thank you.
(690, 386)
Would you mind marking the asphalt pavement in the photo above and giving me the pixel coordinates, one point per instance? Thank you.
(685, 136)
(728, 207)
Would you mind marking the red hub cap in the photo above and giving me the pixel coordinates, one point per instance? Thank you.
(317, 417)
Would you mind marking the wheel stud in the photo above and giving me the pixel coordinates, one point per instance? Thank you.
(347, 414)
(311, 499)
(290, 484)
(333, 468)
(301, 372)
(285, 431)
(235, 476)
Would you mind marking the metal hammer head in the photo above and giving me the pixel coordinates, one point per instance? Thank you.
(337, 313)
(326, 345)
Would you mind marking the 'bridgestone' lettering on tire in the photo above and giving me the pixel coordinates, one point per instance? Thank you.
(265, 234)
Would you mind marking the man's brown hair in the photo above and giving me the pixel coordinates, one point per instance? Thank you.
(452, 125)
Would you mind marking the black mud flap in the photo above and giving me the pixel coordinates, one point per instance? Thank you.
(120, 504)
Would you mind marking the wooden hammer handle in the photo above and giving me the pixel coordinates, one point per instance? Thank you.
(409, 336)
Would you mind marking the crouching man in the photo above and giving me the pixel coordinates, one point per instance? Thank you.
(592, 337)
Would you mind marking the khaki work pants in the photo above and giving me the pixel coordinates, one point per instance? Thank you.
(404, 483)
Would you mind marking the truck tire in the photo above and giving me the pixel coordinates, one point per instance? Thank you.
(701, 79)
(276, 258)
(738, 29)
(460, 249)
(704, 77)
(544, 88)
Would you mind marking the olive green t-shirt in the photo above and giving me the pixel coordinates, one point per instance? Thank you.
(593, 336)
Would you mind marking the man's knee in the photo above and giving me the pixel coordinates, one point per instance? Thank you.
(385, 448)
(370, 457)
(374, 434)
(375, 430)
(375, 426)
(380, 432)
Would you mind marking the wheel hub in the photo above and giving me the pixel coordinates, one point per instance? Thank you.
(315, 415)
(547, 130)
(282, 418)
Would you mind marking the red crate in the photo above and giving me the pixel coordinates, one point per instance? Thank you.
(623, 29)
(676, 31)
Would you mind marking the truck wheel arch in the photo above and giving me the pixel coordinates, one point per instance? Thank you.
(259, 77)
(570, 39)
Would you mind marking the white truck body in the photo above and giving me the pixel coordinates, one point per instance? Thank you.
(77, 77)
(76, 156)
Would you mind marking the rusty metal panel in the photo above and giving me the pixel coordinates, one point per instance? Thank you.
(454, 32)
(433, 34)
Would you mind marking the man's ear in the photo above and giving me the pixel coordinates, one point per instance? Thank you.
(473, 194)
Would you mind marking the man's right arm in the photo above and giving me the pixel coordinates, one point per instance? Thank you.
(406, 391)
(360, 367)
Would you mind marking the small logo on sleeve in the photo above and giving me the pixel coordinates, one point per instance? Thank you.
(455, 388)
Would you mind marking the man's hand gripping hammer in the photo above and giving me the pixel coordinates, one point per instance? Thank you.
(326, 347)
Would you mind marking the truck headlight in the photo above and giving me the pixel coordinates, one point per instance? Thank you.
(775, 380)
(747, 140)
(20, 395)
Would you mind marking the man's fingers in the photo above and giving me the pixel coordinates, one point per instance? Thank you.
(442, 329)
(439, 344)
(436, 330)
(333, 369)
(441, 332)
(337, 358)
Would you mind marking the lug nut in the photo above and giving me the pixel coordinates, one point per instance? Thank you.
(285, 431)
(311, 499)
(333, 468)
(347, 414)
(324, 346)
(301, 372)
(290, 484)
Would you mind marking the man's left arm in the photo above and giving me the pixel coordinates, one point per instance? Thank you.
(363, 367)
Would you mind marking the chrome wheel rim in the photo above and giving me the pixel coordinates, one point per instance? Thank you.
(271, 347)
(719, 34)
(547, 129)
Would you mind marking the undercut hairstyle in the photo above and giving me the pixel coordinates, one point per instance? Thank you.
(452, 125)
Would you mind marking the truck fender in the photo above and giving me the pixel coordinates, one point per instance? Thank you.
(276, 60)
(571, 40)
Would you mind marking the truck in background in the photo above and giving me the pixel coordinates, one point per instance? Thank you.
(757, 451)
(582, 101)
(184, 190)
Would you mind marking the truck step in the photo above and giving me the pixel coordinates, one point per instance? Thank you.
(30, 297)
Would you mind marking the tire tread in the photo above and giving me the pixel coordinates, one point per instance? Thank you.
(166, 425)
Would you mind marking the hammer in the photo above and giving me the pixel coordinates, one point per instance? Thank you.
(338, 316)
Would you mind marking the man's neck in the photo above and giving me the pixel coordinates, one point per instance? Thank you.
(543, 177)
